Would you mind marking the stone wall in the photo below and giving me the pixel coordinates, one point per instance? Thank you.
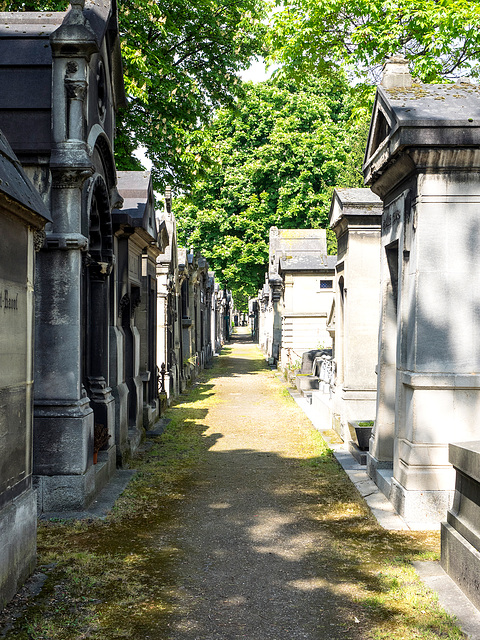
(22, 218)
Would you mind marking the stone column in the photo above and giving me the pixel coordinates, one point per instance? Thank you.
(63, 425)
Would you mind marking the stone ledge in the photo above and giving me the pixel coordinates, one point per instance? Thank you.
(102, 504)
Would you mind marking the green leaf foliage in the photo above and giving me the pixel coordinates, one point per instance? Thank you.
(440, 38)
(181, 59)
(272, 161)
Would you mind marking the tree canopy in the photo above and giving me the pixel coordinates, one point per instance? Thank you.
(181, 60)
(440, 38)
(274, 160)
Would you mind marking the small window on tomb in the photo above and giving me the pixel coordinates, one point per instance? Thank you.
(326, 284)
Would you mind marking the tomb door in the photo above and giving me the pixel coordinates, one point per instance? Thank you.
(131, 365)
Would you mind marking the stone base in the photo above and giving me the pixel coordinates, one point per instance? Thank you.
(322, 404)
(63, 438)
(18, 544)
(306, 383)
(359, 455)
(135, 437)
(461, 561)
(373, 465)
(65, 492)
(75, 492)
(105, 468)
(163, 403)
(421, 509)
(150, 415)
(120, 395)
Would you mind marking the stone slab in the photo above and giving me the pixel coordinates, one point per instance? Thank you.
(450, 596)
(102, 504)
(18, 543)
(461, 561)
(465, 456)
(359, 455)
(384, 481)
(423, 510)
(158, 428)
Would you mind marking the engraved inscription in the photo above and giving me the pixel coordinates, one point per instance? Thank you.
(8, 301)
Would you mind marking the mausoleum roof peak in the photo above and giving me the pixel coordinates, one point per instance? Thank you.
(421, 116)
(355, 202)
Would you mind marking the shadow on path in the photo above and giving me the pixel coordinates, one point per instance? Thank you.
(268, 550)
(244, 528)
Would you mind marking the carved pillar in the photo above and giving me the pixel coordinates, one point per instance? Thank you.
(63, 426)
(276, 287)
(97, 337)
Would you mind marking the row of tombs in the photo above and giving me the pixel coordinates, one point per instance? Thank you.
(387, 333)
(102, 316)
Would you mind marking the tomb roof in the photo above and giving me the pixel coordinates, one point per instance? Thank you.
(15, 185)
(421, 116)
(298, 250)
(29, 24)
(138, 209)
(459, 103)
(307, 261)
(26, 68)
(354, 202)
(101, 16)
(297, 240)
(167, 223)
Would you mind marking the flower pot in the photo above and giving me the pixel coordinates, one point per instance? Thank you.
(361, 433)
(363, 436)
(95, 457)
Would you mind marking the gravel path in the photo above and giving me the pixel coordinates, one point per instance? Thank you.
(256, 564)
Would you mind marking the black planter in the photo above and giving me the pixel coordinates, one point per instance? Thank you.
(363, 436)
(360, 434)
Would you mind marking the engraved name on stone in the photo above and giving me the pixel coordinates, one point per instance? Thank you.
(8, 301)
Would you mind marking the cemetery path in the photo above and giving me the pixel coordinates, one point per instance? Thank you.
(257, 562)
(239, 525)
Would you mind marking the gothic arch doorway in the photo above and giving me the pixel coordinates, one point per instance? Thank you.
(98, 266)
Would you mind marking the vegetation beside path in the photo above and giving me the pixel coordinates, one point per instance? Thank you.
(118, 578)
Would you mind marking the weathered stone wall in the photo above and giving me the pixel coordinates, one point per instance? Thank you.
(22, 218)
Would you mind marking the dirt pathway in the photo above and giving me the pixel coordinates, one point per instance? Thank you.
(239, 525)
(255, 563)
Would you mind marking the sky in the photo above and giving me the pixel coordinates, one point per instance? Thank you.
(256, 72)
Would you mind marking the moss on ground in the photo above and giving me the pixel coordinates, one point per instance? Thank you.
(118, 577)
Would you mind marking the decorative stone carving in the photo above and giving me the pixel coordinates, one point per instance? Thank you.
(66, 241)
(39, 239)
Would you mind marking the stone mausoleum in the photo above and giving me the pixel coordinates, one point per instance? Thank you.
(297, 295)
(133, 375)
(350, 389)
(22, 218)
(423, 161)
(65, 82)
